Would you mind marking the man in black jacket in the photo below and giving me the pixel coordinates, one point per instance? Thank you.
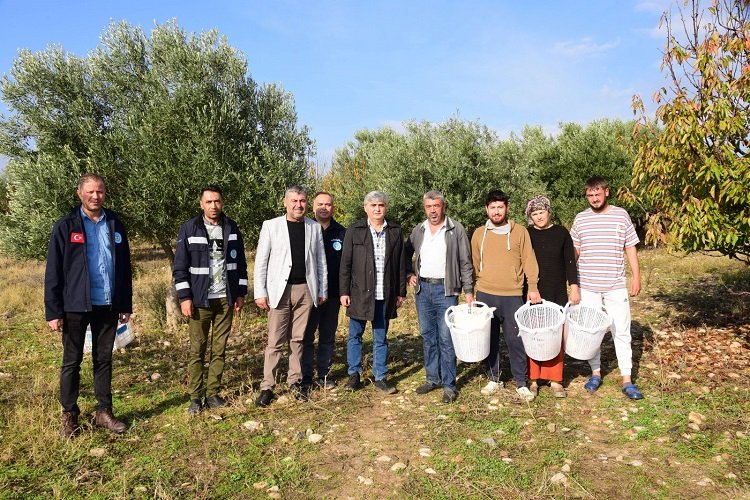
(88, 281)
(324, 318)
(210, 276)
(373, 285)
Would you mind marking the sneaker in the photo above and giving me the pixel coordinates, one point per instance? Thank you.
(265, 398)
(383, 386)
(558, 390)
(195, 407)
(491, 388)
(525, 394)
(354, 383)
(215, 401)
(427, 387)
(449, 396)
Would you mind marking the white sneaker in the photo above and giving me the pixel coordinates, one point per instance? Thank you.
(526, 394)
(491, 388)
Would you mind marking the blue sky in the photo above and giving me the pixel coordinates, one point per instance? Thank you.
(368, 64)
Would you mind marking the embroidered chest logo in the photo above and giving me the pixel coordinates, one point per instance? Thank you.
(76, 238)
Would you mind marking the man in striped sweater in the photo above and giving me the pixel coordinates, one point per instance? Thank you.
(603, 235)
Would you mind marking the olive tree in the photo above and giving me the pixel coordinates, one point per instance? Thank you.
(158, 117)
(462, 159)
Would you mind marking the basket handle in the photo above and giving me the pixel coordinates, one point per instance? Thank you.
(547, 302)
(448, 316)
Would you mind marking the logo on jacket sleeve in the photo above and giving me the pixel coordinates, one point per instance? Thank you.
(118, 237)
(233, 253)
(77, 238)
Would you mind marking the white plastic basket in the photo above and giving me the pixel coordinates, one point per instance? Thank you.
(585, 329)
(470, 330)
(540, 328)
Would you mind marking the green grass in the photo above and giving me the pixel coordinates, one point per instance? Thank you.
(165, 454)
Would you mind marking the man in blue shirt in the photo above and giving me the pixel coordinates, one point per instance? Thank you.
(88, 281)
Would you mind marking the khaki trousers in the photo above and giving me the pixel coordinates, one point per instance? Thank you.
(287, 323)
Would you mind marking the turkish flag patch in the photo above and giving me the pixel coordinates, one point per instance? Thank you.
(76, 238)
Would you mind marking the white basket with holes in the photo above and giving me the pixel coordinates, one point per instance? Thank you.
(470, 330)
(585, 328)
(540, 328)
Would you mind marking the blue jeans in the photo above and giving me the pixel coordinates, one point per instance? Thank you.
(439, 356)
(379, 343)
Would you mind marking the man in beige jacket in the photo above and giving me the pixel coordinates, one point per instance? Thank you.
(502, 256)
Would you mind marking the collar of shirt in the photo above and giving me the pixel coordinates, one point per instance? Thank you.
(426, 225)
(504, 229)
(382, 229)
(102, 216)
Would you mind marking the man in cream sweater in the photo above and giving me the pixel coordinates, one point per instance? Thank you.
(502, 256)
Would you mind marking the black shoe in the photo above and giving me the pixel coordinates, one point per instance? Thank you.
(300, 391)
(195, 407)
(383, 386)
(354, 383)
(427, 387)
(449, 396)
(265, 398)
(327, 382)
(215, 401)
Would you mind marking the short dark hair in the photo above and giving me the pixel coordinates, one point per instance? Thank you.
(212, 188)
(596, 181)
(496, 195)
(325, 193)
(88, 177)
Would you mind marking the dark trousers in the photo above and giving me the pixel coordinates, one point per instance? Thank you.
(324, 319)
(505, 310)
(103, 325)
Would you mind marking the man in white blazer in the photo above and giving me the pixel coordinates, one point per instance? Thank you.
(290, 278)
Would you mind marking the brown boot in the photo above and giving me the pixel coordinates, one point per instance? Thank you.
(104, 418)
(69, 424)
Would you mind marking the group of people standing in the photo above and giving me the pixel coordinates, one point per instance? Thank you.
(306, 270)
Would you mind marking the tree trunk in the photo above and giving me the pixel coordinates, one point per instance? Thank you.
(174, 313)
(168, 250)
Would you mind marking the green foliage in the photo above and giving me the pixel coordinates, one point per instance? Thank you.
(577, 153)
(158, 117)
(465, 160)
(696, 170)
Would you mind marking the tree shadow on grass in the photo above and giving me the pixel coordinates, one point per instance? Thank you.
(641, 335)
(715, 301)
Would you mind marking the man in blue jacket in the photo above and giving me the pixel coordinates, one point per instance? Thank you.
(210, 276)
(88, 281)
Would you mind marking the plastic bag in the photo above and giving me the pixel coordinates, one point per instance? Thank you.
(123, 336)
